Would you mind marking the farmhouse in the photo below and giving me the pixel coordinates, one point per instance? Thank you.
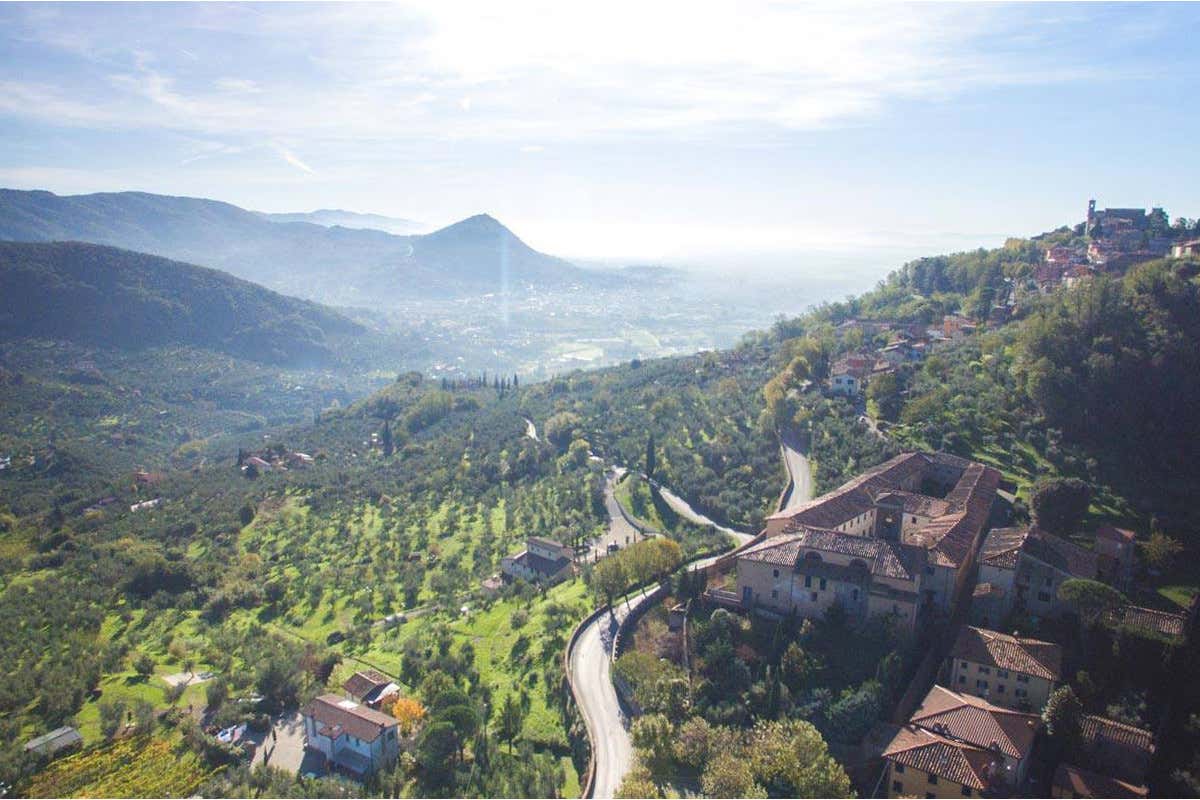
(542, 561)
(1010, 671)
(352, 737)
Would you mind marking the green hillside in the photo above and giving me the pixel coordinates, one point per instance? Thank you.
(105, 297)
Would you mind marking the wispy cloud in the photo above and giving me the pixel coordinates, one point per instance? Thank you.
(545, 69)
(291, 158)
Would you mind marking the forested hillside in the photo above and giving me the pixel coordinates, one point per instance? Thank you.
(104, 297)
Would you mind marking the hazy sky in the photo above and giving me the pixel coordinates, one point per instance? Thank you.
(647, 129)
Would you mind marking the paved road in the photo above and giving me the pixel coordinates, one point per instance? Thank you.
(800, 470)
(607, 724)
(590, 660)
(619, 530)
(685, 510)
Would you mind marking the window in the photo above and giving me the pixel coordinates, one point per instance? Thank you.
(1044, 597)
(808, 581)
(1049, 581)
(929, 570)
(985, 670)
(897, 787)
(1001, 673)
(822, 584)
(962, 678)
(899, 769)
(933, 779)
(966, 791)
(981, 684)
(774, 573)
(854, 594)
(1000, 688)
(774, 594)
(813, 597)
(964, 664)
(913, 520)
(1022, 678)
(1020, 692)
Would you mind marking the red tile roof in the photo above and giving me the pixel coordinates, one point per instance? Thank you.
(334, 716)
(965, 764)
(1079, 782)
(1161, 622)
(992, 648)
(978, 722)
(362, 683)
(1123, 750)
(883, 558)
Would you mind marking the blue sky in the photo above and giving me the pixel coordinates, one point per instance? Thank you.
(700, 132)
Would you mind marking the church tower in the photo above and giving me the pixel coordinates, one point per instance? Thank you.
(1091, 217)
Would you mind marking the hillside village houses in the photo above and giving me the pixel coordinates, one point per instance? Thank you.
(1010, 671)
(896, 540)
(905, 540)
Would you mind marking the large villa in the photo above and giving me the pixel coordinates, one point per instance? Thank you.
(897, 539)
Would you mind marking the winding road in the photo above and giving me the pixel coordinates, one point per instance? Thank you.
(800, 471)
(590, 658)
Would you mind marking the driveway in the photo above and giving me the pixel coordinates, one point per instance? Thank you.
(286, 750)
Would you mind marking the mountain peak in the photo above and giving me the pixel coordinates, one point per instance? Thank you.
(478, 225)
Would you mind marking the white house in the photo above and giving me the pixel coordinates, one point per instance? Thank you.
(542, 561)
(352, 737)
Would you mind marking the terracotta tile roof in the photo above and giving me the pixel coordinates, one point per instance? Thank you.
(960, 516)
(978, 722)
(1079, 782)
(1002, 546)
(884, 558)
(965, 764)
(335, 716)
(1125, 751)
(1161, 622)
(1000, 650)
(919, 504)
(1061, 554)
(951, 536)
(856, 495)
(363, 682)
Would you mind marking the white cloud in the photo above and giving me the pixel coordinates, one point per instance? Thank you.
(550, 70)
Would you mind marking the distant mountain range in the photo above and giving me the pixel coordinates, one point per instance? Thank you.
(335, 217)
(335, 265)
(100, 296)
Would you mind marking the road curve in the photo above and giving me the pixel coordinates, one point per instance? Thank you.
(800, 470)
(590, 659)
